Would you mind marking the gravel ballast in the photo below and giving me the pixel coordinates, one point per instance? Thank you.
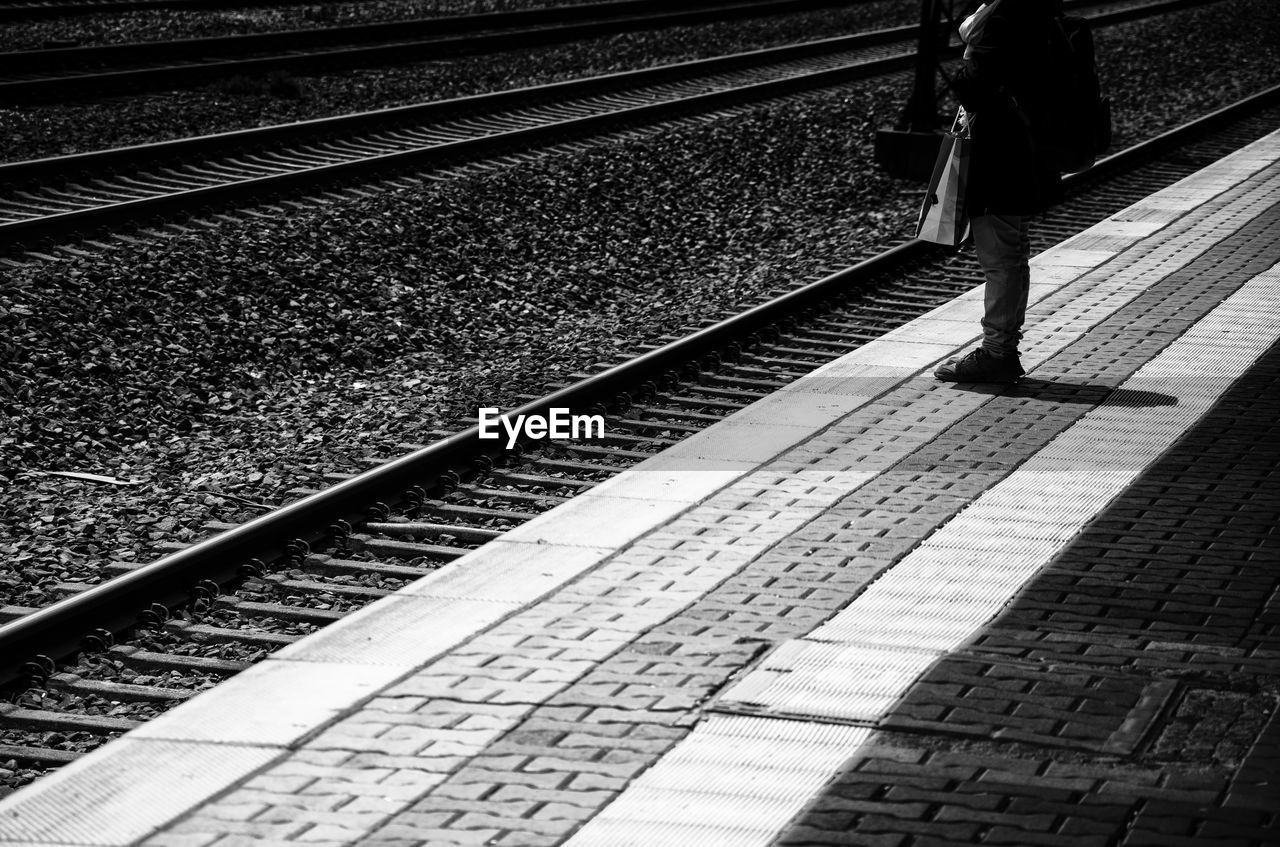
(252, 358)
(172, 24)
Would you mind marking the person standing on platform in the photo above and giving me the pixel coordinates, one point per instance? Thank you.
(1005, 74)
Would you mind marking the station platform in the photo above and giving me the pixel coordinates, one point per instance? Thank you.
(873, 608)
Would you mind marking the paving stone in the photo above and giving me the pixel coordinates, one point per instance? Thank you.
(955, 832)
(1050, 727)
(525, 839)
(401, 835)
(1009, 835)
(809, 836)
(173, 839)
(1097, 717)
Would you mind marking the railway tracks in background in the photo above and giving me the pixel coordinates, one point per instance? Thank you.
(49, 75)
(85, 195)
(43, 9)
(208, 610)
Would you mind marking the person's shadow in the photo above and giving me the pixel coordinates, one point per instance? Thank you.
(1065, 391)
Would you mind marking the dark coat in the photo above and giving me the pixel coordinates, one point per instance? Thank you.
(1005, 74)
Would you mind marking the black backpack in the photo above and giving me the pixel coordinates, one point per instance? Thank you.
(1071, 120)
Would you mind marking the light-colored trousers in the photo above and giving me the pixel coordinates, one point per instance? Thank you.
(1003, 249)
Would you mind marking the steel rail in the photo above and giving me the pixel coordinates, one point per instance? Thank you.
(142, 52)
(43, 10)
(35, 170)
(24, 232)
(538, 34)
(86, 220)
(114, 605)
(417, 40)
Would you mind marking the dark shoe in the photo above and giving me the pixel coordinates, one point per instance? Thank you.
(981, 366)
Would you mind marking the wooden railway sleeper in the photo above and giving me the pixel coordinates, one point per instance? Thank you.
(322, 152)
(688, 412)
(219, 634)
(324, 563)
(153, 182)
(805, 359)
(913, 302)
(427, 529)
(338, 589)
(862, 331)
(122, 691)
(40, 755)
(9, 206)
(43, 720)
(182, 181)
(76, 194)
(593, 450)
(841, 336)
(746, 383)
(463, 510)
(361, 147)
(485, 494)
(571, 466)
(658, 424)
(53, 205)
(114, 189)
(813, 345)
(218, 173)
(247, 170)
(743, 367)
(409, 549)
(727, 398)
(515, 478)
(304, 614)
(139, 658)
(894, 314)
(607, 438)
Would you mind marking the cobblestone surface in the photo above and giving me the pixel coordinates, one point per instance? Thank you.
(1128, 695)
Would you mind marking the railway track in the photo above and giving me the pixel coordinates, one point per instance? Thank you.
(210, 609)
(76, 72)
(83, 195)
(41, 9)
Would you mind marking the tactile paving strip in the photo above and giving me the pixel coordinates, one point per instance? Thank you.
(848, 682)
(581, 524)
(727, 784)
(963, 574)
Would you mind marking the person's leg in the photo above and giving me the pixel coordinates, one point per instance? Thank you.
(1004, 249)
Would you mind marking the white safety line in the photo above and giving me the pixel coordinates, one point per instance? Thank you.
(863, 660)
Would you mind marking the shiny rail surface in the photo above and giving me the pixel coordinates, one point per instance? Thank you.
(45, 9)
(77, 72)
(83, 194)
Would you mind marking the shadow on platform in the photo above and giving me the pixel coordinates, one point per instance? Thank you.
(1065, 391)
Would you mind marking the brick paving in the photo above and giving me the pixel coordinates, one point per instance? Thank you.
(1140, 669)
(590, 694)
